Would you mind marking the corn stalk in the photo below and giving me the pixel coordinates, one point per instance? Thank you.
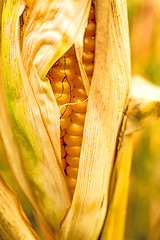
(30, 126)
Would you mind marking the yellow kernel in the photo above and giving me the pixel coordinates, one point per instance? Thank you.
(73, 151)
(75, 129)
(73, 140)
(72, 172)
(78, 82)
(90, 30)
(61, 87)
(88, 57)
(79, 92)
(64, 122)
(62, 98)
(89, 69)
(72, 161)
(71, 182)
(80, 106)
(62, 74)
(89, 44)
(65, 111)
(78, 118)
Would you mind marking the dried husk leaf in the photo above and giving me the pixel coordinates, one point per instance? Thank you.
(144, 104)
(13, 223)
(114, 225)
(79, 52)
(108, 99)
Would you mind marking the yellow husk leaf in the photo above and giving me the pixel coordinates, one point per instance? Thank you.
(108, 99)
(114, 225)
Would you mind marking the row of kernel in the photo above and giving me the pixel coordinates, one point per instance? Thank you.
(74, 132)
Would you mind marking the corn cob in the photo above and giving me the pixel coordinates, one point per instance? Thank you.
(67, 85)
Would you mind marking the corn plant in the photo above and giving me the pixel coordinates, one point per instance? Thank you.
(68, 117)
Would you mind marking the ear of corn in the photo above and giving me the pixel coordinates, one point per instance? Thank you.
(34, 114)
(34, 143)
(104, 113)
(30, 101)
(69, 90)
(30, 127)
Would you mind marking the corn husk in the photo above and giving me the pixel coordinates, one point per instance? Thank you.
(13, 223)
(30, 126)
(31, 114)
(144, 106)
(114, 225)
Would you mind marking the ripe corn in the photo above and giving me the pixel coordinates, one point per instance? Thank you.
(32, 117)
(71, 98)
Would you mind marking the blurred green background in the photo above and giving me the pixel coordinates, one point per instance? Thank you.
(143, 215)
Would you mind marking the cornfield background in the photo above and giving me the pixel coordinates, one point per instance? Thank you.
(143, 217)
(143, 220)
